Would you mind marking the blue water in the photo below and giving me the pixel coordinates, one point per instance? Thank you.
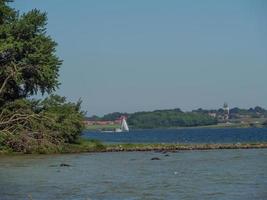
(195, 135)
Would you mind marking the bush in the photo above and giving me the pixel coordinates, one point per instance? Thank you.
(40, 126)
(67, 118)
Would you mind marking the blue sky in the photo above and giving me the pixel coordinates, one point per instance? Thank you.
(129, 56)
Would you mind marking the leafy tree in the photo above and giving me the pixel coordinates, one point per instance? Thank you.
(28, 63)
(67, 118)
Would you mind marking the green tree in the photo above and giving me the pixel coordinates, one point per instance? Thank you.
(66, 118)
(28, 63)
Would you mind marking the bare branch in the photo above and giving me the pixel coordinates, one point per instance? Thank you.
(17, 117)
(5, 82)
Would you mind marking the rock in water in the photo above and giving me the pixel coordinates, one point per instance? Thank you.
(64, 165)
(155, 158)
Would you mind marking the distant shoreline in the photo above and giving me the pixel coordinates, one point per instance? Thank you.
(218, 126)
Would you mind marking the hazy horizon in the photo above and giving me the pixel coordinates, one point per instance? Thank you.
(129, 56)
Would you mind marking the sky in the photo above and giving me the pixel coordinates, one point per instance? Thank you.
(135, 55)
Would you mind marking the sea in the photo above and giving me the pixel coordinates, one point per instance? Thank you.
(183, 136)
(239, 174)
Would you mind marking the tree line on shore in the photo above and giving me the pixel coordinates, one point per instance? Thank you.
(29, 66)
(169, 118)
(178, 118)
(236, 113)
(161, 119)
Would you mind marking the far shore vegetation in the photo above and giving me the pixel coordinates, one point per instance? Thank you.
(176, 118)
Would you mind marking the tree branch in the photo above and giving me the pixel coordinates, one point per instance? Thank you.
(4, 83)
(19, 117)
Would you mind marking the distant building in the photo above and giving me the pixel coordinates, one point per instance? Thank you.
(102, 123)
(212, 114)
(90, 122)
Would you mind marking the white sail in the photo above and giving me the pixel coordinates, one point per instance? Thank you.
(124, 126)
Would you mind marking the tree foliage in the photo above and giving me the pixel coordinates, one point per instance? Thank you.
(67, 118)
(169, 118)
(162, 118)
(27, 125)
(28, 63)
(251, 112)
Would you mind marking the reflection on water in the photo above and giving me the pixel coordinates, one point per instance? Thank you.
(217, 174)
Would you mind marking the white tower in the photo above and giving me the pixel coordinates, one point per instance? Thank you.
(226, 111)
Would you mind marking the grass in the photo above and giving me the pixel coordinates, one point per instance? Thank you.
(102, 127)
(176, 147)
(83, 145)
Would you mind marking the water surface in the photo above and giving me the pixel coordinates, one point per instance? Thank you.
(217, 174)
(189, 135)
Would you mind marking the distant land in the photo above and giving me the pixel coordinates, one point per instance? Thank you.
(176, 118)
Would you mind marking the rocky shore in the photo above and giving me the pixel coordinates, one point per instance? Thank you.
(179, 147)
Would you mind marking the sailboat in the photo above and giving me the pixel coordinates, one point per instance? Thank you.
(124, 127)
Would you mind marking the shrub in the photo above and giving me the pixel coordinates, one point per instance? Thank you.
(40, 126)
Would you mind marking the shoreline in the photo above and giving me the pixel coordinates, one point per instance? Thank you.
(181, 147)
(87, 146)
(190, 127)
